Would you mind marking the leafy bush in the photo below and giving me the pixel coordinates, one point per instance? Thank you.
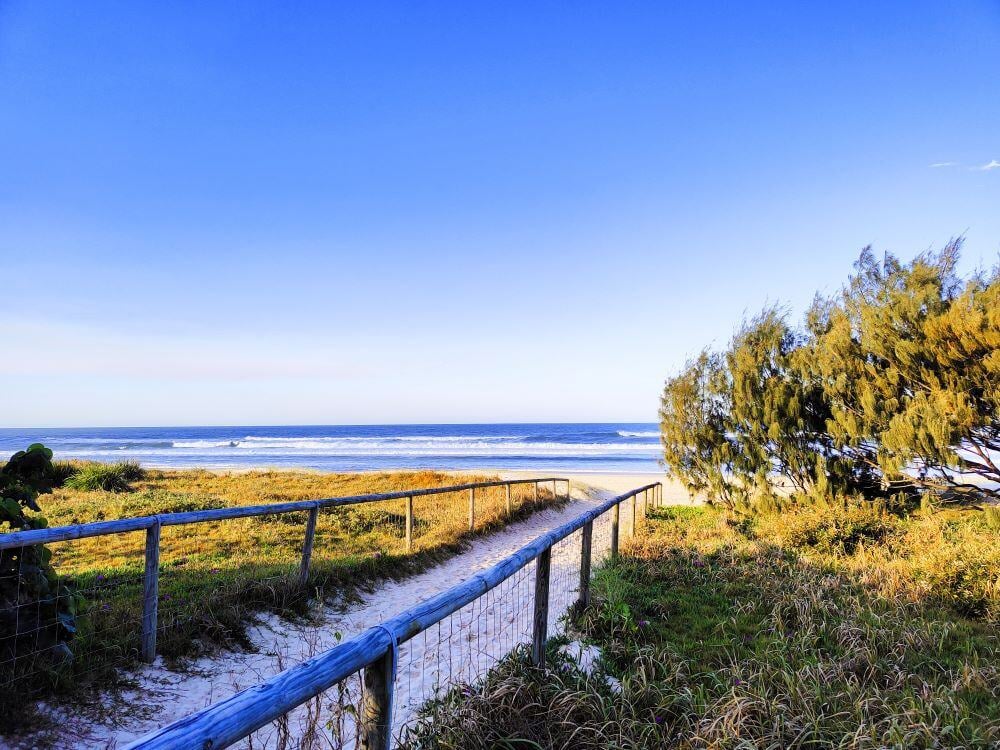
(37, 611)
(107, 477)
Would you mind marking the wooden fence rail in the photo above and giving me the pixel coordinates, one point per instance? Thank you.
(373, 651)
(153, 524)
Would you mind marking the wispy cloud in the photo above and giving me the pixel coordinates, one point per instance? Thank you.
(987, 167)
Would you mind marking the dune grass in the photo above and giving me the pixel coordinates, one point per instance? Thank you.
(822, 628)
(116, 477)
(215, 576)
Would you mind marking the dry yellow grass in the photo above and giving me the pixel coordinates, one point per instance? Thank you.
(216, 575)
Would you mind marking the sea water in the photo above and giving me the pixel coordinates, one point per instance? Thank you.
(594, 447)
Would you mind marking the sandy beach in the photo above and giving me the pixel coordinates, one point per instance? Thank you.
(615, 483)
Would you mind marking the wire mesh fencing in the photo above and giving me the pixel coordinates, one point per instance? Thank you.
(368, 692)
(107, 605)
(160, 585)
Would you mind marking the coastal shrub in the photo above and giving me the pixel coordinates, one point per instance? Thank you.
(886, 390)
(37, 610)
(116, 477)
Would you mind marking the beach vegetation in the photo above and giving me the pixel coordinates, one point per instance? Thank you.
(38, 609)
(889, 390)
(217, 578)
(91, 476)
(811, 627)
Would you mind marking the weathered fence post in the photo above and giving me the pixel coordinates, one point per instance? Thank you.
(376, 709)
(409, 524)
(536, 492)
(588, 534)
(554, 495)
(541, 621)
(151, 593)
(472, 509)
(307, 546)
(510, 505)
(614, 530)
(633, 515)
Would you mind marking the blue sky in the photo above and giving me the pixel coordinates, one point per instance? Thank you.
(237, 213)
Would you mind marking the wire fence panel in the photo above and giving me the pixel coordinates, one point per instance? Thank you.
(107, 600)
(327, 720)
(452, 639)
(463, 646)
(212, 576)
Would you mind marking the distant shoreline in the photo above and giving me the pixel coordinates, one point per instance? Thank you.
(590, 448)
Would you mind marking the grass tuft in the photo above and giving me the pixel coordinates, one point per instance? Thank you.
(95, 477)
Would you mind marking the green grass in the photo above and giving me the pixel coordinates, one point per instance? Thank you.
(89, 477)
(821, 628)
(215, 577)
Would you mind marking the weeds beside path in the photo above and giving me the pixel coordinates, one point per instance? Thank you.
(815, 629)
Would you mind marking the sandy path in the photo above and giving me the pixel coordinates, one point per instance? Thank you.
(463, 646)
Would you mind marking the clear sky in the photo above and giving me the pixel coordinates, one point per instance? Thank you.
(247, 213)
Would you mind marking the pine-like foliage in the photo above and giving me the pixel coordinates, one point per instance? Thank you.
(890, 386)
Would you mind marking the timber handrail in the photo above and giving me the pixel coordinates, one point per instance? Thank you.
(139, 523)
(230, 720)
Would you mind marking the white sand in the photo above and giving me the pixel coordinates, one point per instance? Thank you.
(463, 647)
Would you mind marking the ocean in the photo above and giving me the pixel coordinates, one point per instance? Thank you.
(597, 447)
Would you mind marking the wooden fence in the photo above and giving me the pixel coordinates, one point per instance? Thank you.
(375, 650)
(153, 524)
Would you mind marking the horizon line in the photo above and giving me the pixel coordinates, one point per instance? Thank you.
(316, 424)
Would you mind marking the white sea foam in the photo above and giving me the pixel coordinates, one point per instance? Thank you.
(204, 443)
(381, 438)
(516, 446)
(376, 447)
